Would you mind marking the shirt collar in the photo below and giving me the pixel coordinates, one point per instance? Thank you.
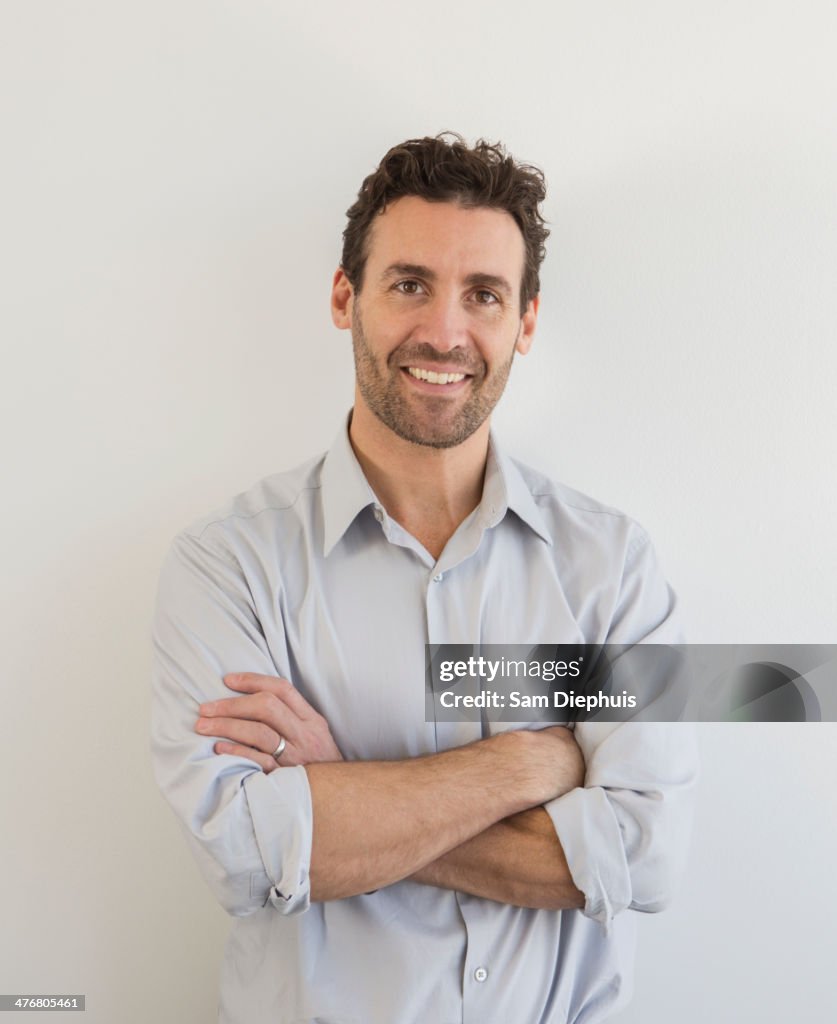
(346, 491)
(505, 488)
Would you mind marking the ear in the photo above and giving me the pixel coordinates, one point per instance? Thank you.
(342, 299)
(528, 323)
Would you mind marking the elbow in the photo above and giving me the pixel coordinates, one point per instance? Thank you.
(654, 883)
(656, 843)
(236, 907)
(660, 902)
(245, 894)
(240, 883)
(240, 893)
(249, 833)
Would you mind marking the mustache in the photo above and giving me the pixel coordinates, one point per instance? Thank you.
(424, 353)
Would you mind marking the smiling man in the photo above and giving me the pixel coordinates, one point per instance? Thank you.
(435, 315)
(385, 869)
(473, 317)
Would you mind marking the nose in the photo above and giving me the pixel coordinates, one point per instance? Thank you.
(444, 323)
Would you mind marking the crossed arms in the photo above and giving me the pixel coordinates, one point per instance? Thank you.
(467, 819)
(532, 819)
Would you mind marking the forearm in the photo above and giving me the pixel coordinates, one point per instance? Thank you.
(376, 823)
(518, 861)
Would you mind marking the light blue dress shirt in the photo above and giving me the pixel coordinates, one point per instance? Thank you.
(306, 576)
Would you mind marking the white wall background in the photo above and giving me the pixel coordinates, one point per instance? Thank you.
(174, 178)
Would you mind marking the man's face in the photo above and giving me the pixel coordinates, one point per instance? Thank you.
(438, 321)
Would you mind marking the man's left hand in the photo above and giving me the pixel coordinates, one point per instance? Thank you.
(254, 725)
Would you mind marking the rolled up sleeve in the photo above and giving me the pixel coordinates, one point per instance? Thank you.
(250, 832)
(626, 832)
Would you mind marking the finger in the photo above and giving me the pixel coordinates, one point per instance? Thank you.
(264, 761)
(252, 682)
(252, 734)
(261, 707)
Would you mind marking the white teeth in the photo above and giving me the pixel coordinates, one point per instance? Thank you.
(435, 378)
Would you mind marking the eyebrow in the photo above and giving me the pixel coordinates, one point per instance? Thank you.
(472, 280)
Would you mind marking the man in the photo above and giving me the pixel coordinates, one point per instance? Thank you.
(384, 869)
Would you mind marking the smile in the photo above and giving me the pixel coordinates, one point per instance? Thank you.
(435, 378)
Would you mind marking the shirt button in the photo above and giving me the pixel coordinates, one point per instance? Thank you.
(480, 974)
(438, 577)
(379, 515)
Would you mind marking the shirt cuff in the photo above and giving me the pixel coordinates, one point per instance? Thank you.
(585, 821)
(281, 810)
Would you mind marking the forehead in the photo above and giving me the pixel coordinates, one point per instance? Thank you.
(446, 236)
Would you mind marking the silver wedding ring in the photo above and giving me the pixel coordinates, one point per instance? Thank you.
(277, 753)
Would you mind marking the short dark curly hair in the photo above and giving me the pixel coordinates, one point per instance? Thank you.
(444, 169)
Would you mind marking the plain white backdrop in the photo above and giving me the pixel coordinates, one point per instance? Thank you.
(174, 180)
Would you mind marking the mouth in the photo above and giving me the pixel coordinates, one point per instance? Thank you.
(438, 381)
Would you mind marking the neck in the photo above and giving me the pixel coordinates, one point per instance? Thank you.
(429, 491)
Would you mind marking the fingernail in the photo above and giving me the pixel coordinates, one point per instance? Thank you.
(203, 725)
(208, 708)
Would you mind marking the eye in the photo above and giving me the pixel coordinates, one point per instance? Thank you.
(484, 297)
(408, 287)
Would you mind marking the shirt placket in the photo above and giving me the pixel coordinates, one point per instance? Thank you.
(453, 618)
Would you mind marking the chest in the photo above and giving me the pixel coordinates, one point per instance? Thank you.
(350, 631)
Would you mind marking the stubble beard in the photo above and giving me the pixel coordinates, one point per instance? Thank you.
(440, 426)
